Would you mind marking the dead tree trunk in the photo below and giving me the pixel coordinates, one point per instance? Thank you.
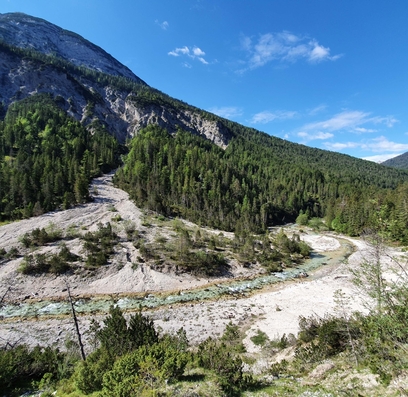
(81, 346)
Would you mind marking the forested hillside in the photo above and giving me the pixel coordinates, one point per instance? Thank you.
(47, 158)
(259, 181)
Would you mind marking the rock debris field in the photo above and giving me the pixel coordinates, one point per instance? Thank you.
(274, 309)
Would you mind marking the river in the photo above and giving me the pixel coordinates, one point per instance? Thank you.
(101, 304)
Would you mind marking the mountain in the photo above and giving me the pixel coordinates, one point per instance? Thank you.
(87, 78)
(67, 109)
(17, 29)
(400, 161)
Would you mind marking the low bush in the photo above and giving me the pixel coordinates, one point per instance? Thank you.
(39, 237)
(99, 245)
(19, 365)
(325, 337)
(43, 263)
(225, 363)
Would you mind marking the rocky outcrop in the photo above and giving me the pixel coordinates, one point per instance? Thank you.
(173, 120)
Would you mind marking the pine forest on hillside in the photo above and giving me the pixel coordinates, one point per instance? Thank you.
(260, 181)
(47, 158)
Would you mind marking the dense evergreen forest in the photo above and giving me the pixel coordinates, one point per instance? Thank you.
(259, 181)
(47, 158)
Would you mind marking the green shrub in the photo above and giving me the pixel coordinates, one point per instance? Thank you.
(260, 338)
(20, 364)
(225, 363)
(233, 337)
(99, 245)
(39, 237)
(325, 337)
(89, 374)
(66, 255)
(12, 253)
(131, 357)
(57, 265)
(146, 368)
(302, 219)
(119, 337)
(204, 263)
(41, 263)
(53, 232)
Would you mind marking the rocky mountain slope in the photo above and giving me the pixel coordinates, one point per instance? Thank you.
(123, 105)
(28, 32)
(400, 161)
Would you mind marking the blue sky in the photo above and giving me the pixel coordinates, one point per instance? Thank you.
(331, 74)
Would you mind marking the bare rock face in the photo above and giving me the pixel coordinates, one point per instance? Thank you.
(81, 97)
(172, 120)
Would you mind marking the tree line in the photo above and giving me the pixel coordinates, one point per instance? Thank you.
(47, 158)
(260, 181)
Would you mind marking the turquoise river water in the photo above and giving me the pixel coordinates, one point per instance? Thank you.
(231, 287)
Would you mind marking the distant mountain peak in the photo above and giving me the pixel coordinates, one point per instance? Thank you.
(400, 161)
(25, 31)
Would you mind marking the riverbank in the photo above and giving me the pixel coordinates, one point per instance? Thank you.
(272, 309)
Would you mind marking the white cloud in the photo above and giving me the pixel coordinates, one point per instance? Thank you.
(195, 53)
(246, 43)
(389, 121)
(364, 130)
(380, 144)
(380, 158)
(341, 145)
(227, 112)
(180, 51)
(343, 120)
(267, 116)
(320, 53)
(284, 46)
(198, 52)
(349, 120)
(317, 110)
(312, 137)
(164, 25)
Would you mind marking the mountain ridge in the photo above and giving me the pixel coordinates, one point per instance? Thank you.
(17, 29)
(91, 95)
(400, 161)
